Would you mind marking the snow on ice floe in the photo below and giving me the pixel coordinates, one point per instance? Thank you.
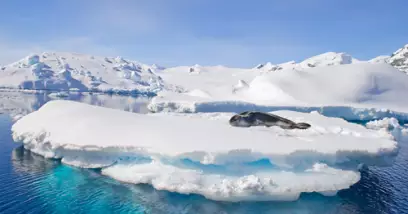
(203, 154)
(390, 125)
(375, 86)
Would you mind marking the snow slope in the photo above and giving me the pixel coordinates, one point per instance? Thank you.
(203, 154)
(362, 85)
(65, 71)
(213, 81)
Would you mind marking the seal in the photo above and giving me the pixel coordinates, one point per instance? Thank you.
(254, 118)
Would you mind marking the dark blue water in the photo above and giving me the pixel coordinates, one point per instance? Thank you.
(33, 184)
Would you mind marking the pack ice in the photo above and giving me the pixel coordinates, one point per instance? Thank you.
(203, 154)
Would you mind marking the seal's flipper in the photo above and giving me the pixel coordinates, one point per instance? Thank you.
(302, 125)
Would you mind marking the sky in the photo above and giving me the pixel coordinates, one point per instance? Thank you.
(205, 32)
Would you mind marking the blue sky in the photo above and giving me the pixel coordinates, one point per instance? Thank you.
(207, 32)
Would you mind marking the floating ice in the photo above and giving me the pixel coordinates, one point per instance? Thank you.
(61, 94)
(386, 123)
(262, 186)
(390, 125)
(203, 154)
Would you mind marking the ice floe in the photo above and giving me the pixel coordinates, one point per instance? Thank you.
(203, 154)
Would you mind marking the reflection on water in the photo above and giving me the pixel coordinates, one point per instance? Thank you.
(26, 162)
(16, 103)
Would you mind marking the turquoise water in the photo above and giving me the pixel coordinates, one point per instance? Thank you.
(33, 184)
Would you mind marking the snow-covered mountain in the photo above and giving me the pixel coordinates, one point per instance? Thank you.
(271, 67)
(328, 59)
(399, 59)
(325, 59)
(380, 59)
(62, 71)
(72, 71)
(337, 78)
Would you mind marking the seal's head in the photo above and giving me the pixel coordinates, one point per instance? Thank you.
(239, 120)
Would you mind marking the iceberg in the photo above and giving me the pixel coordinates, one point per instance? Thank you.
(203, 154)
(264, 186)
(390, 125)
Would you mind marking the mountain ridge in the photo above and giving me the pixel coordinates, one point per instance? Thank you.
(65, 71)
(75, 71)
(399, 60)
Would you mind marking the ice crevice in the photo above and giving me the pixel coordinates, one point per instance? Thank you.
(202, 154)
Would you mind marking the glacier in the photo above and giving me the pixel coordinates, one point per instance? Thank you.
(63, 71)
(202, 154)
(334, 84)
(361, 91)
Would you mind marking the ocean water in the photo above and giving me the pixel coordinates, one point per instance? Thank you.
(32, 184)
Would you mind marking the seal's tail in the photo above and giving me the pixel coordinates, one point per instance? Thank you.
(302, 125)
